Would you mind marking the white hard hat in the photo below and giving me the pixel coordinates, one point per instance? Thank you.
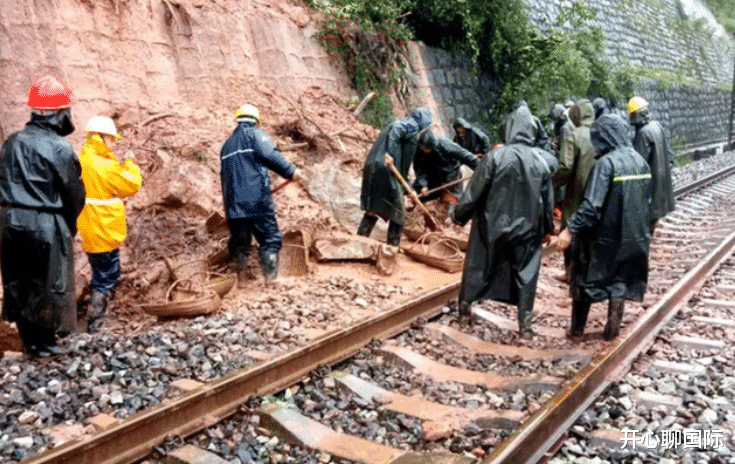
(103, 125)
(247, 111)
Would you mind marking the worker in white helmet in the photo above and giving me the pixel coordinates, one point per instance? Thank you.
(102, 224)
(245, 160)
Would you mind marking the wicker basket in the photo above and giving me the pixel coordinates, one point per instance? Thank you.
(204, 302)
(416, 235)
(436, 251)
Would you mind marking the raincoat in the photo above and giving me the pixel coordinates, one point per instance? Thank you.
(576, 157)
(382, 192)
(102, 224)
(510, 198)
(441, 164)
(245, 160)
(610, 230)
(652, 142)
(42, 194)
(473, 140)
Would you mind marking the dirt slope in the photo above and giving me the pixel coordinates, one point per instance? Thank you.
(171, 74)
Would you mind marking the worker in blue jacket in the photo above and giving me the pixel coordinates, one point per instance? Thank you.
(245, 160)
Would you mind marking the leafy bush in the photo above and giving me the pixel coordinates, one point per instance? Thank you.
(542, 68)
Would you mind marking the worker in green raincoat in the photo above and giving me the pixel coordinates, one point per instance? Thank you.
(382, 193)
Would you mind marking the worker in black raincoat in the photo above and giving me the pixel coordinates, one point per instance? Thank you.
(510, 200)
(436, 163)
(42, 194)
(382, 193)
(245, 160)
(652, 142)
(609, 232)
(470, 137)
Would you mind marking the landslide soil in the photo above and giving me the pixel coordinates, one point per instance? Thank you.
(170, 229)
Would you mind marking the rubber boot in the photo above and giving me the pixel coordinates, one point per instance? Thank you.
(240, 262)
(394, 233)
(97, 308)
(465, 312)
(614, 319)
(269, 260)
(525, 323)
(580, 311)
(366, 225)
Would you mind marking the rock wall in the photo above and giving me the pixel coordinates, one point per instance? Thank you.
(664, 37)
(147, 53)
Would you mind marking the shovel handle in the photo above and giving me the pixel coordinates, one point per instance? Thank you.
(281, 186)
(413, 196)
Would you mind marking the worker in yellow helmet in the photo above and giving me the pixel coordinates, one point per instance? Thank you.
(102, 224)
(652, 142)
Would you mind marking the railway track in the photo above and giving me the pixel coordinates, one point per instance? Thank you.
(431, 377)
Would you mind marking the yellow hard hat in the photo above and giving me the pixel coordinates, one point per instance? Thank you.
(636, 104)
(247, 111)
(102, 125)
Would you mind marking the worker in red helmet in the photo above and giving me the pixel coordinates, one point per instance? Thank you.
(42, 194)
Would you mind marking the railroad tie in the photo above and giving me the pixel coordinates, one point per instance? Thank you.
(292, 426)
(445, 373)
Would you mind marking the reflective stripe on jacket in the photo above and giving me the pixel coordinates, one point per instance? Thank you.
(102, 224)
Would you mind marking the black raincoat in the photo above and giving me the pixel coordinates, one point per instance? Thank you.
(510, 200)
(652, 142)
(382, 192)
(610, 230)
(441, 164)
(245, 160)
(42, 194)
(473, 140)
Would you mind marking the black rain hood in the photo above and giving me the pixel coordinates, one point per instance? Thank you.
(609, 132)
(600, 106)
(521, 127)
(58, 121)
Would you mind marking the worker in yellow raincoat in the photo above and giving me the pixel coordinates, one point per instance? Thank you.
(102, 224)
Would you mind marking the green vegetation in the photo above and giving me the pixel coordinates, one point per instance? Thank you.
(542, 68)
(724, 11)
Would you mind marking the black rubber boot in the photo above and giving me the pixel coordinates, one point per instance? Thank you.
(269, 260)
(243, 275)
(97, 308)
(580, 310)
(614, 319)
(366, 225)
(394, 233)
(465, 312)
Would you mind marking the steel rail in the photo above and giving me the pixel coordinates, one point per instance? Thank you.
(137, 435)
(697, 184)
(530, 442)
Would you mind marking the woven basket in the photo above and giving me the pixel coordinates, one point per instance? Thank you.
(436, 251)
(221, 284)
(416, 235)
(204, 302)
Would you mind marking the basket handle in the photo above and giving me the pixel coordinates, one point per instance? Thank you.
(168, 292)
(451, 243)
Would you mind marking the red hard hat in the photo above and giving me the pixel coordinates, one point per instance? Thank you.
(49, 93)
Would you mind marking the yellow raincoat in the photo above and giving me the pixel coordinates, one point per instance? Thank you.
(102, 224)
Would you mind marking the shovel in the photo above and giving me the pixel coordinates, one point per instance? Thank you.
(445, 186)
(428, 218)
